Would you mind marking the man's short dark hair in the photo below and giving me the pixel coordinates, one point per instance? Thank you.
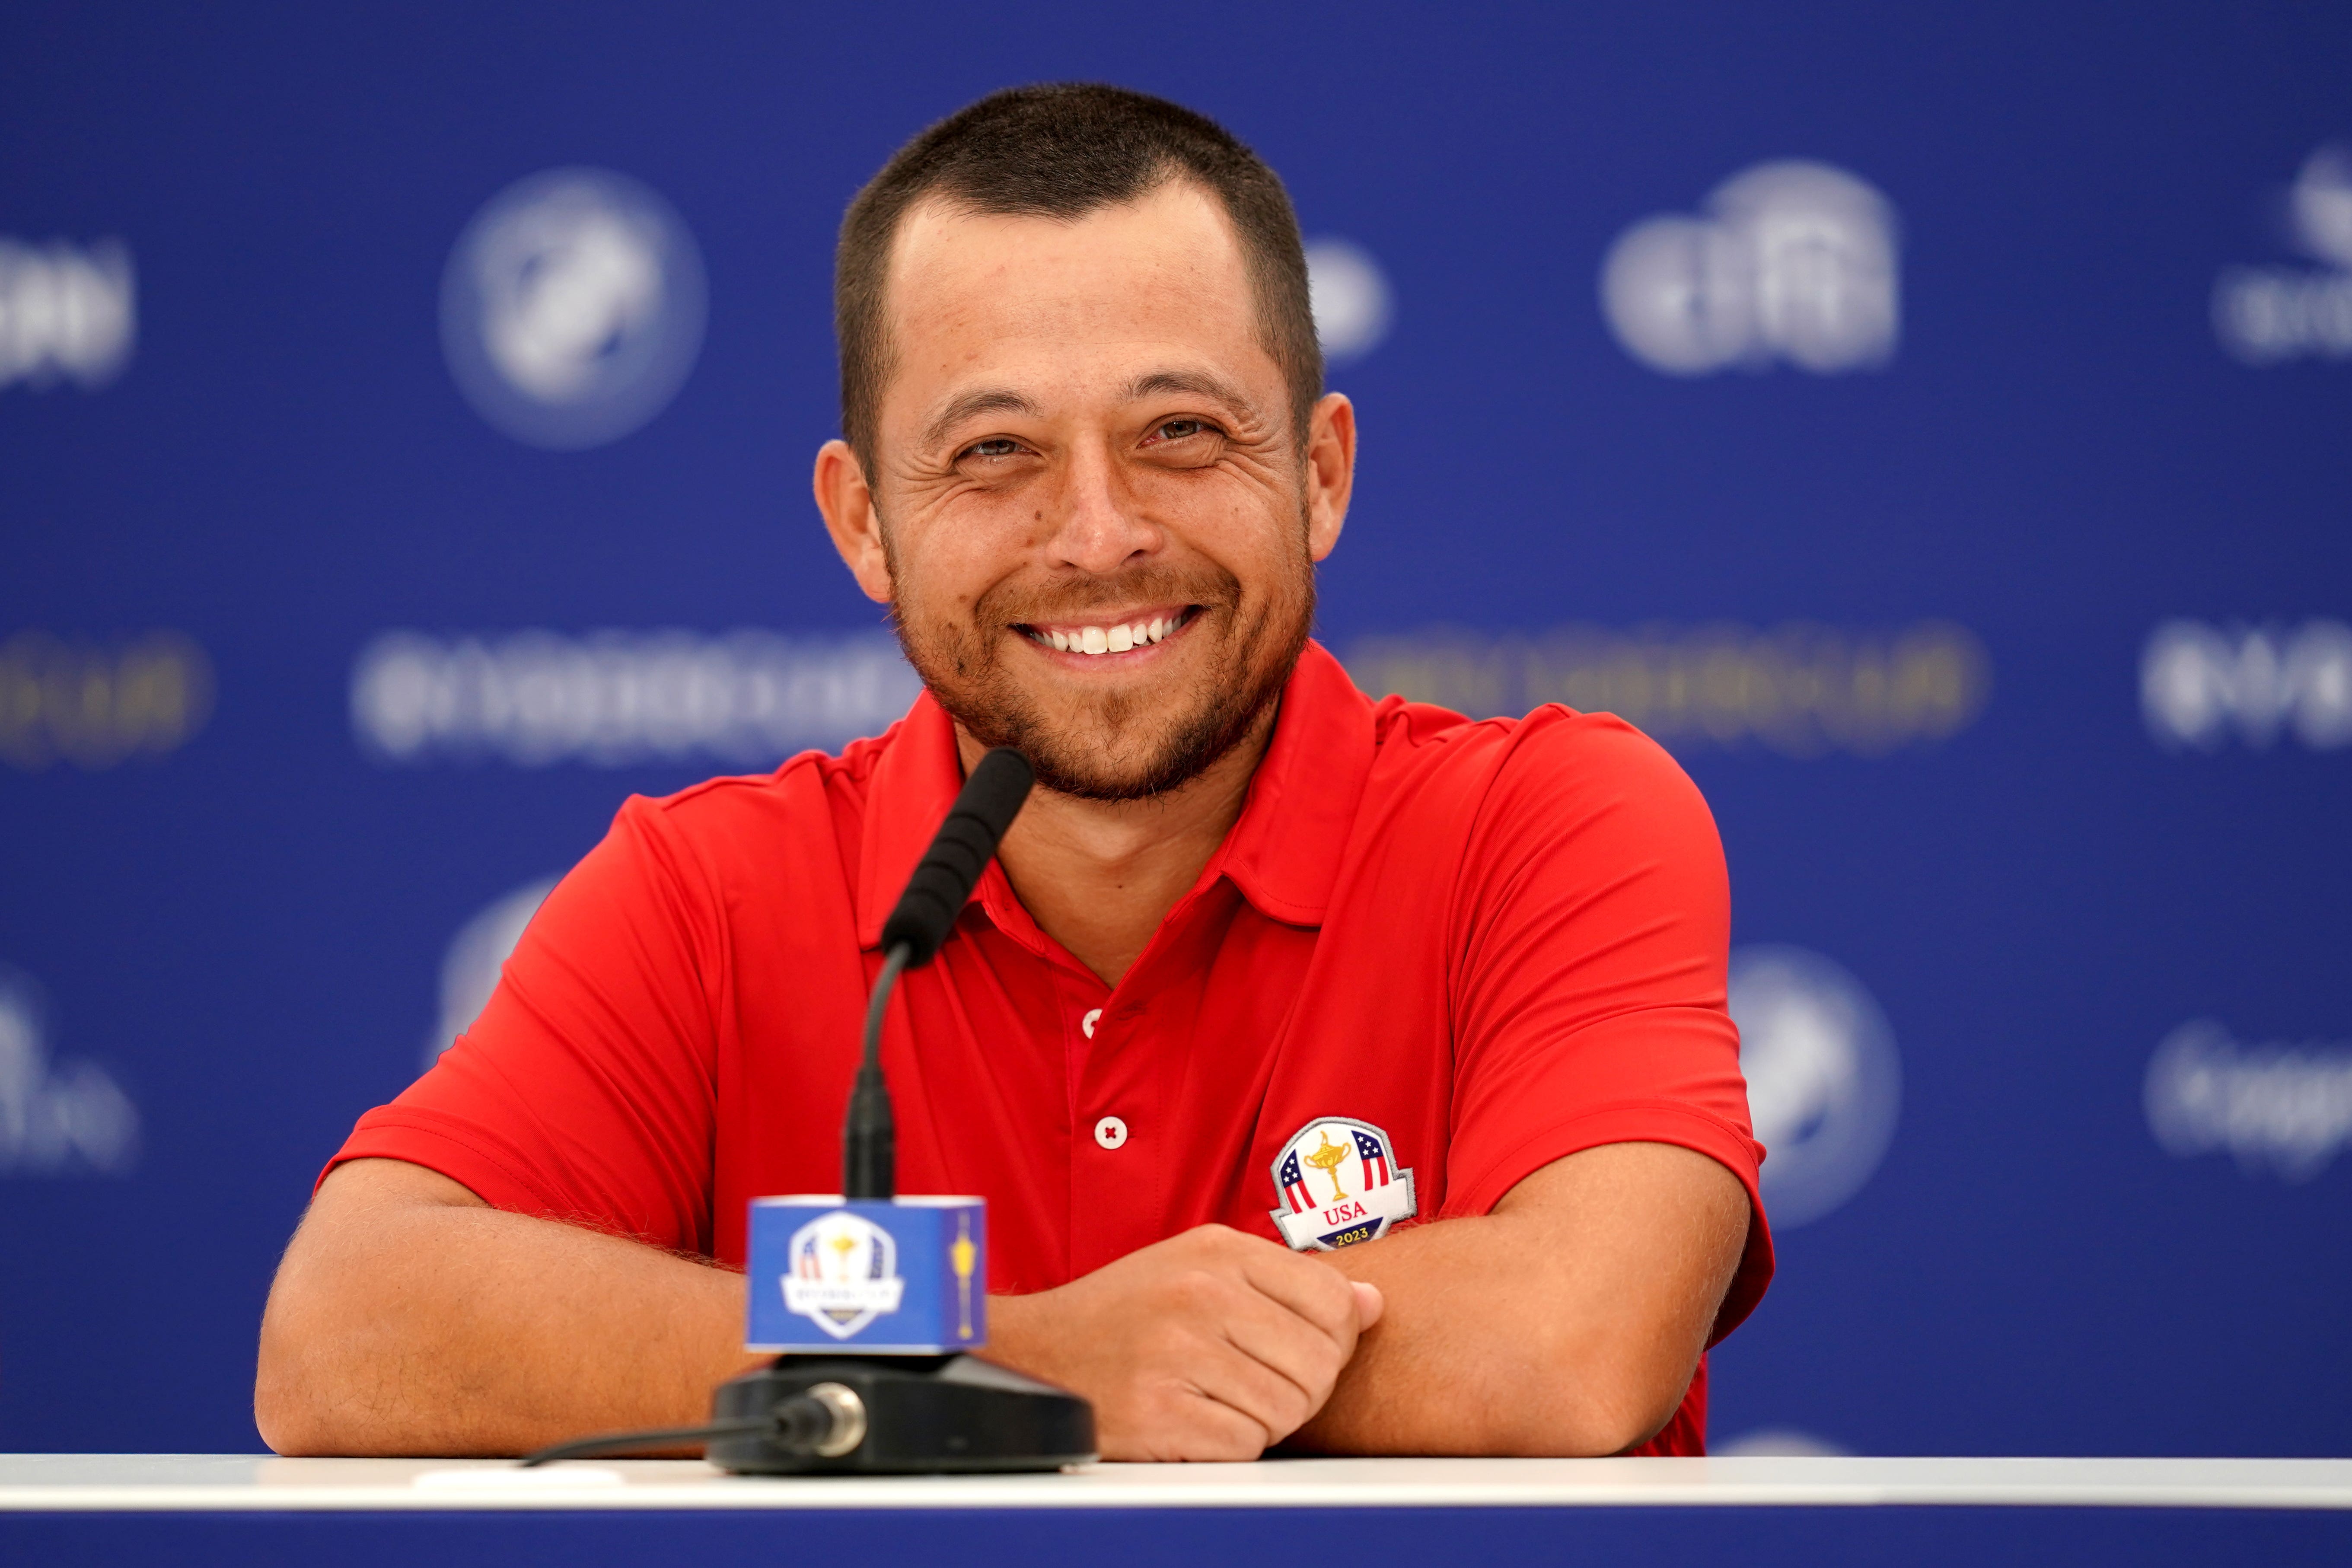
(1062, 151)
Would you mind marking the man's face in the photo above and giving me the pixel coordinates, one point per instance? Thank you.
(1096, 523)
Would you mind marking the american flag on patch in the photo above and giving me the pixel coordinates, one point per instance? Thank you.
(1375, 1159)
(1293, 1185)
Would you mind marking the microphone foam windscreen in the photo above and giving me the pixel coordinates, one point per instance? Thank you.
(991, 797)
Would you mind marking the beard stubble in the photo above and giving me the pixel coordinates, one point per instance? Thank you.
(1116, 745)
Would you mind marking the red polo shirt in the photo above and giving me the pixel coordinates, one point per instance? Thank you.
(1484, 945)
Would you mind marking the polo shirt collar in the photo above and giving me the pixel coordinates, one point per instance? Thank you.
(1283, 853)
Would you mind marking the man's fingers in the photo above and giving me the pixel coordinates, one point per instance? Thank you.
(1319, 1294)
(1370, 1303)
(1307, 1359)
(1271, 1397)
(1181, 1423)
(1214, 1344)
(1221, 1432)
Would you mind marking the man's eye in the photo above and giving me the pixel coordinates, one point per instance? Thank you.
(995, 447)
(1178, 429)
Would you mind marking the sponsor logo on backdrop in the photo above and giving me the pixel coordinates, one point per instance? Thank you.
(2283, 1108)
(94, 707)
(1352, 300)
(844, 1273)
(1777, 1443)
(68, 312)
(2203, 686)
(57, 1118)
(613, 699)
(1825, 1084)
(469, 970)
(2264, 315)
(1787, 262)
(571, 308)
(1800, 691)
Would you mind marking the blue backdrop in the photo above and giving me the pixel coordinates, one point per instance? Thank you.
(1932, 423)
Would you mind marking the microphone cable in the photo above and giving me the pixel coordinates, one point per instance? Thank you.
(651, 1437)
(828, 1420)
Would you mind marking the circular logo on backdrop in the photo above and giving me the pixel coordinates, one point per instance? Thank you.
(1349, 296)
(477, 955)
(1823, 1081)
(572, 308)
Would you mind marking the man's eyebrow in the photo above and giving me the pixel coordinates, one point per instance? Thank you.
(1198, 383)
(982, 400)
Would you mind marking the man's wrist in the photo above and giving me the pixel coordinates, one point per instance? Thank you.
(1017, 1331)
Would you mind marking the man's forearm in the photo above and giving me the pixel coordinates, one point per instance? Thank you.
(404, 1323)
(1568, 1321)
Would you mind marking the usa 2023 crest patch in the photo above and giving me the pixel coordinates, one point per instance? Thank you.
(1339, 1184)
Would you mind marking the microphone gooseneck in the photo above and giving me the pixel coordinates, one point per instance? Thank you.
(935, 895)
(869, 1135)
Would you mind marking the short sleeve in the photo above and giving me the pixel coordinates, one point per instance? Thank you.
(585, 1091)
(1592, 922)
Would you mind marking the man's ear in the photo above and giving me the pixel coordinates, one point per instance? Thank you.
(841, 495)
(1330, 472)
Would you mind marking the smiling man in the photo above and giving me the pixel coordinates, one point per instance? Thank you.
(1341, 1075)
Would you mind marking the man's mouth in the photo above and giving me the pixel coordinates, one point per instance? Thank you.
(1123, 636)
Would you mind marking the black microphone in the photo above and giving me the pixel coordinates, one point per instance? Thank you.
(882, 1413)
(966, 842)
(935, 895)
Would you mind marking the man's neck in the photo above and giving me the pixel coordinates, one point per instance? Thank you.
(1099, 876)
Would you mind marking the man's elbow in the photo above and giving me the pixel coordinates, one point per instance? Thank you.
(294, 1402)
(289, 1423)
(320, 1370)
(1611, 1397)
(1625, 1412)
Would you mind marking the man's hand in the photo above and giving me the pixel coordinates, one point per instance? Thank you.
(1208, 1345)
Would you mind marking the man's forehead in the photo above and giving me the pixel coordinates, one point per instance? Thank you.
(1176, 225)
(1163, 273)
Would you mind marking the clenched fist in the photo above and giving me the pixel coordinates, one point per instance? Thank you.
(1208, 1345)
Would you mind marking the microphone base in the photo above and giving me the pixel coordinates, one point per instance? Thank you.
(949, 1415)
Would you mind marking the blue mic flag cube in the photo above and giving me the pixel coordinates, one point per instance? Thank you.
(904, 1277)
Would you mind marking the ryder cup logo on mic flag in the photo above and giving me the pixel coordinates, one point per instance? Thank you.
(903, 1278)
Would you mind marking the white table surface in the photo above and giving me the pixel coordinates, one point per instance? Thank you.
(233, 1482)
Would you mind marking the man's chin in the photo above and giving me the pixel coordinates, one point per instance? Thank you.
(1092, 762)
(1121, 739)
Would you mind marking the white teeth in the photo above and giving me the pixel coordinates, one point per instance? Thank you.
(1112, 639)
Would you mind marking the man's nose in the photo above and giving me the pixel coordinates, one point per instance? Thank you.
(1096, 525)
